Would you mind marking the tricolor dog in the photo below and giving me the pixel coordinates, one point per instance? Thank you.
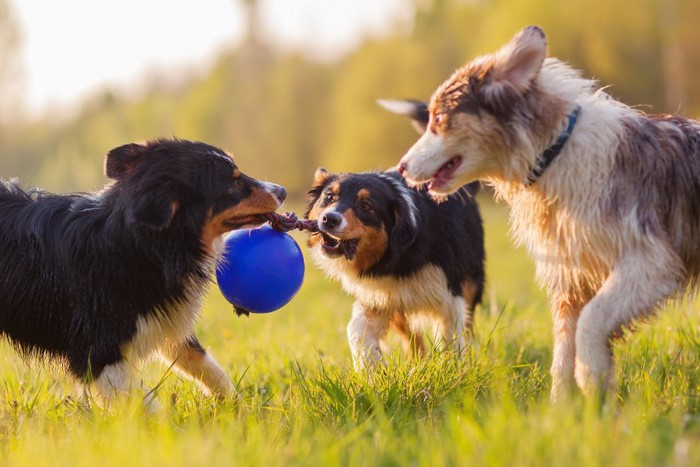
(407, 260)
(103, 281)
(604, 196)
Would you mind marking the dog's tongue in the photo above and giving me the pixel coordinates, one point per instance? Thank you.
(443, 176)
(437, 182)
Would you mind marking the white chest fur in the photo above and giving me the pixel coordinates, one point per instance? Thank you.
(425, 290)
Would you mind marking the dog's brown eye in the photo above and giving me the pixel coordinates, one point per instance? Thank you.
(439, 118)
(328, 197)
(365, 206)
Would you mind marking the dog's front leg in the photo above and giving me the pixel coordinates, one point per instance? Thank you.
(634, 288)
(115, 380)
(566, 308)
(190, 358)
(365, 330)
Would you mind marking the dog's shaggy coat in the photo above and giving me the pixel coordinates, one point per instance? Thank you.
(613, 223)
(102, 281)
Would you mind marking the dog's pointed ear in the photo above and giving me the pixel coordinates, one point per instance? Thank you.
(517, 63)
(153, 212)
(123, 159)
(321, 179)
(321, 176)
(417, 111)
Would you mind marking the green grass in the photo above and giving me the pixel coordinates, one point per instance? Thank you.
(303, 405)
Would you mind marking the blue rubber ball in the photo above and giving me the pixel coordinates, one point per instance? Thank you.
(260, 270)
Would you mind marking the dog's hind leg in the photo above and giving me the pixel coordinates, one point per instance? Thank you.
(638, 282)
(365, 330)
(190, 358)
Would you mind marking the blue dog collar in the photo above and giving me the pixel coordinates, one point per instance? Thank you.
(549, 154)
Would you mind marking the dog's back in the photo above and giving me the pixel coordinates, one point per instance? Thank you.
(67, 271)
(24, 223)
(656, 179)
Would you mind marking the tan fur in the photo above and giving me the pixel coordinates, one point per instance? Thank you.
(201, 367)
(611, 223)
(372, 245)
(413, 342)
(469, 291)
(259, 202)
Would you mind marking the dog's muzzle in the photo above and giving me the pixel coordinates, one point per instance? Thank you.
(331, 224)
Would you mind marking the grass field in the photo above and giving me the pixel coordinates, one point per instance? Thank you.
(303, 405)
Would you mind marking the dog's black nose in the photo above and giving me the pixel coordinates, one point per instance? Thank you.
(279, 192)
(331, 220)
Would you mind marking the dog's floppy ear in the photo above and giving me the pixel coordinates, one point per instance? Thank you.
(405, 228)
(154, 212)
(517, 63)
(123, 159)
(417, 111)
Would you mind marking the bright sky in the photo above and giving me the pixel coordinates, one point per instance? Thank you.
(73, 46)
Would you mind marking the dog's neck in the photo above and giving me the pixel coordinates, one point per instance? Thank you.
(547, 157)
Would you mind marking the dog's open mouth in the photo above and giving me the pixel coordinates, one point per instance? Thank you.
(444, 174)
(250, 220)
(335, 247)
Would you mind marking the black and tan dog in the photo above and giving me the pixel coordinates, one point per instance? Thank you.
(406, 259)
(105, 280)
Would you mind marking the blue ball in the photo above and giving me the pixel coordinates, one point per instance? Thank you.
(260, 270)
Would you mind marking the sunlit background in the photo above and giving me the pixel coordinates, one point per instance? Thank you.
(287, 85)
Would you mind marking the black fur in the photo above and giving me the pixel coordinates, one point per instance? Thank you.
(77, 271)
(448, 234)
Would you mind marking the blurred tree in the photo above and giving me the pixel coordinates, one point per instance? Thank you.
(364, 136)
(284, 114)
(10, 64)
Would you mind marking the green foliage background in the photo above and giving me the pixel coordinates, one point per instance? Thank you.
(284, 114)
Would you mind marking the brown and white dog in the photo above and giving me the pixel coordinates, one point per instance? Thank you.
(604, 197)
